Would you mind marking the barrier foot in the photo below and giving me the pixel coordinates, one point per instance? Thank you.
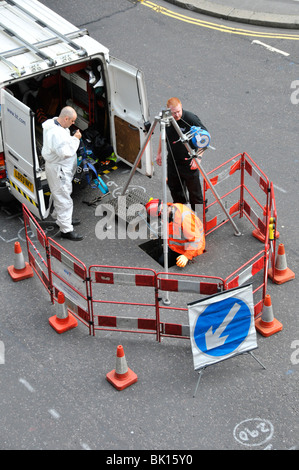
(20, 270)
(121, 377)
(267, 325)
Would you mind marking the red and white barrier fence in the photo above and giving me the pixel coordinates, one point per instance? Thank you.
(69, 275)
(129, 299)
(38, 250)
(114, 299)
(245, 177)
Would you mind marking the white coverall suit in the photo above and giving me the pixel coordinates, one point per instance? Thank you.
(59, 151)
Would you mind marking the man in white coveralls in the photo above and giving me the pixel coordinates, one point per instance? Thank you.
(60, 154)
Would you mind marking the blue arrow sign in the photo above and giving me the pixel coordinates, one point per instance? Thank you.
(222, 326)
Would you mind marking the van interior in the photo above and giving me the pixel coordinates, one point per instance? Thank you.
(80, 86)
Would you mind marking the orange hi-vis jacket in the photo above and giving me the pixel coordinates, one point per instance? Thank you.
(185, 232)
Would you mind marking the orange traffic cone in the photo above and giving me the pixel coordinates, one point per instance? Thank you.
(258, 234)
(267, 325)
(19, 270)
(281, 272)
(62, 321)
(121, 377)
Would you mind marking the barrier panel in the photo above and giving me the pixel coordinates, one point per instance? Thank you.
(229, 197)
(245, 273)
(249, 196)
(109, 307)
(69, 275)
(249, 209)
(234, 198)
(174, 283)
(38, 250)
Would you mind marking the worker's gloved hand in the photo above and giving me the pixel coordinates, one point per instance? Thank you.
(181, 261)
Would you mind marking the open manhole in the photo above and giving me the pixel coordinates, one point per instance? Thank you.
(154, 248)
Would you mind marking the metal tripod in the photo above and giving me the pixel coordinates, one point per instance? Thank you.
(165, 118)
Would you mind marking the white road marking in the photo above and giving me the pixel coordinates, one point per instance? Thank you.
(27, 385)
(85, 446)
(278, 187)
(270, 48)
(54, 413)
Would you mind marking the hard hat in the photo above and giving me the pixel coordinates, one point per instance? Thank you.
(153, 207)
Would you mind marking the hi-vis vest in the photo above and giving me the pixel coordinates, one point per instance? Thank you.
(185, 233)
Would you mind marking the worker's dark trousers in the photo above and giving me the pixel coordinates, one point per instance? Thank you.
(187, 179)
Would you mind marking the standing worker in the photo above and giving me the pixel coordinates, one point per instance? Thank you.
(182, 173)
(186, 238)
(60, 154)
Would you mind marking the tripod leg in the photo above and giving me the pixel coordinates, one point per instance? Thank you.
(202, 171)
(205, 176)
(166, 300)
(139, 156)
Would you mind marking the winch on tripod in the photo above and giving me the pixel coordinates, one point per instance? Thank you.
(199, 137)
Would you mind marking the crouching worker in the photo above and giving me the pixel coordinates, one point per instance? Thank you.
(186, 238)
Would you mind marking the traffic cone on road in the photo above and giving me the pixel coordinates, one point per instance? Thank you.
(121, 377)
(63, 320)
(267, 325)
(20, 270)
(281, 272)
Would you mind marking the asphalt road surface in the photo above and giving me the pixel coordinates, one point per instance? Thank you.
(54, 393)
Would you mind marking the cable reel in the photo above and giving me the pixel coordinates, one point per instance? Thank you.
(199, 137)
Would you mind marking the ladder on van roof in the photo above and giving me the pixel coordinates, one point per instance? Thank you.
(36, 48)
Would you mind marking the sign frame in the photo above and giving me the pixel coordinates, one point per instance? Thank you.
(242, 312)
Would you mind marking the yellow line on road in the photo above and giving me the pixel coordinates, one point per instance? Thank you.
(215, 26)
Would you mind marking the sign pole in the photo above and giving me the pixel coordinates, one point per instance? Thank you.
(199, 377)
(257, 360)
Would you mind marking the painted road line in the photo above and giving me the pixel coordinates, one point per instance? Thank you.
(217, 27)
(279, 188)
(54, 413)
(27, 385)
(270, 48)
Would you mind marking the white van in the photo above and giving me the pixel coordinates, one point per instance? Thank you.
(46, 63)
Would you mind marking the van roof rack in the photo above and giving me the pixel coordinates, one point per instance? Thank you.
(80, 51)
(36, 47)
(31, 47)
(16, 71)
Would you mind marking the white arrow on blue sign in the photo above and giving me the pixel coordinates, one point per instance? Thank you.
(222, 326)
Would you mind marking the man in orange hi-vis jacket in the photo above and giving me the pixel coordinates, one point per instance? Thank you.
(186, 236)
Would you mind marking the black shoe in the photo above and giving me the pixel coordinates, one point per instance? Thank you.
(72, 236)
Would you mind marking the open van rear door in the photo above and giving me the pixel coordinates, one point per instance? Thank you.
(22, 165)
(129, 113)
